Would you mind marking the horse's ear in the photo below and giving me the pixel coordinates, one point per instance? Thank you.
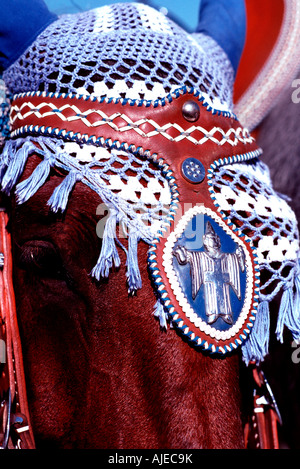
(225, 22)
(20, 23)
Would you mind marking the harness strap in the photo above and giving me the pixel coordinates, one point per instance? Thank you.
(16, 431)
(261, 432)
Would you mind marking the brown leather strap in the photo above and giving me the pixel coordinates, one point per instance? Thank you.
(158, 128)
(16, 427)
(261, 432)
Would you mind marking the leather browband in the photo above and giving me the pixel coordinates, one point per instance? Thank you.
(156, 126)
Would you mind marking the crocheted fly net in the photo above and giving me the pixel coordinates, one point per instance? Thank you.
(134, 54)
(130, 50)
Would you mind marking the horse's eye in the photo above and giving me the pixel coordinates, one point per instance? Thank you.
(40, 257)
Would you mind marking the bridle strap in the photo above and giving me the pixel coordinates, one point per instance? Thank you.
(261, 431)
(16, 427)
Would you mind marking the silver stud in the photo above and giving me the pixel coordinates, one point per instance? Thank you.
(191, 111)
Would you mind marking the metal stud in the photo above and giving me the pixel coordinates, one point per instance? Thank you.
(191, 111)
(193, 170)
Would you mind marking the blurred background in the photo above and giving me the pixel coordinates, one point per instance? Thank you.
(184, 12)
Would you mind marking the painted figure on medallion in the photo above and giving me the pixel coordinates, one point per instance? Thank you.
(217, 271)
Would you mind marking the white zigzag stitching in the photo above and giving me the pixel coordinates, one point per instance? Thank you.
(240, 134)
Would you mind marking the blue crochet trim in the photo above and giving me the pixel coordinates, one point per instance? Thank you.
(115, 43)
(13, 160)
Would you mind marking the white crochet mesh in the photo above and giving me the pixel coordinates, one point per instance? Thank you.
(135, 180)
(245, 194)
(124, 50)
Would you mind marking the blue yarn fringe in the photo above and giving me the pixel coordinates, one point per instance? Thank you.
(16, 165)
(256, 346)
(109, 255)
(133, 273)
(30, 186)
(12, 164)
(289, 312)
(59, 199)
(160, 313)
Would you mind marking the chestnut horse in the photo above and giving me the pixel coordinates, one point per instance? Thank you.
(100, 371)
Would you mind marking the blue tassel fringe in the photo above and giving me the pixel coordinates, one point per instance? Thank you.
(59, 199)
(133, 273)
(288, 315)
(27, 188)
(109, 255)
(256, 346)
(160, 313)
(16, 166)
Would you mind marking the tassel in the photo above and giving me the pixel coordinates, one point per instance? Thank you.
(288, 315)
(7, 152)
(16, 165)
(30, 186)
(109, 255)
(59, 198)
(256, 346)
(133, 274)
(160, 313)
(297, 294)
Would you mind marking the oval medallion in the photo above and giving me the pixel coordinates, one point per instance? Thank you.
(208, 280)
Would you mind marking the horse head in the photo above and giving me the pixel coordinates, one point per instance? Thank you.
(123, 136)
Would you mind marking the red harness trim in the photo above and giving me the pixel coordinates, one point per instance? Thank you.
(261, 431)
(16, 427)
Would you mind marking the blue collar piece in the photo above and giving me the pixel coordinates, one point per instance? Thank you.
(20, 25)
(225, 22)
